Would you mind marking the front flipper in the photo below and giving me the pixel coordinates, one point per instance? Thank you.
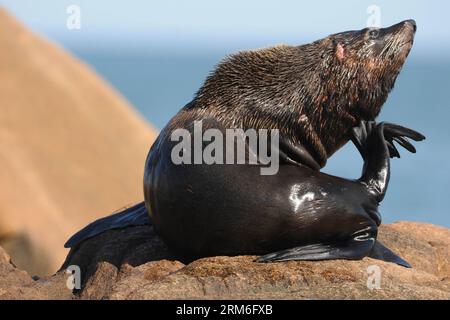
(356, 248)
(296, 154)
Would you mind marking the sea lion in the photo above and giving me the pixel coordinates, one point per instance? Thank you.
(318, 96)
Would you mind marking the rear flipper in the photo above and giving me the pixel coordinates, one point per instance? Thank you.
(134, 216)
(380, 252)
(360, 247)
(356, 248)
(375, 142)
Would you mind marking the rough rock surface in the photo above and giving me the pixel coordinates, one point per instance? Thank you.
(133, 263)
(65, 135)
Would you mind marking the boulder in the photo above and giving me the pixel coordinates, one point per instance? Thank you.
(133, 263)
(72, 148)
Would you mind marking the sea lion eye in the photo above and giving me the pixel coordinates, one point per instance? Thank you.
(373, 34)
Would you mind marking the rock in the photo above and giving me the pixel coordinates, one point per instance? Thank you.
(429, 247)
(131, 246)
(133, 263)
(17, 284)
(72, 148)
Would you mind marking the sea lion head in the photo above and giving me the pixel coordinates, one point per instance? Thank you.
(313, 93)
(365, 63)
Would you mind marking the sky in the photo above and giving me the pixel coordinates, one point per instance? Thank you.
(187, 25)
(147, 48)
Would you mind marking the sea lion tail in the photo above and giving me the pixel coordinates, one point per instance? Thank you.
(134, 216)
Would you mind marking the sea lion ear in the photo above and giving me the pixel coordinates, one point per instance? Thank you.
(340, 51)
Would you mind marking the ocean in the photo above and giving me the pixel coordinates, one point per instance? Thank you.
(159, 83)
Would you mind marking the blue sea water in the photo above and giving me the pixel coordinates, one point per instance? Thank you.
(158, 84)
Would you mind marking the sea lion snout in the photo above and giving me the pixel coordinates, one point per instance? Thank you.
(405, 28)
(408, 29)
(411, 23)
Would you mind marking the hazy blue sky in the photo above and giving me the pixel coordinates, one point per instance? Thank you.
(157, 53)
(205, 23)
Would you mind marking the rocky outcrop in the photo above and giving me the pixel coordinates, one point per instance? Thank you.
(133, 263)
(17, 284)
(72, 148)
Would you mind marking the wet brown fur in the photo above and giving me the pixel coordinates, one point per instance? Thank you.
(313, 93)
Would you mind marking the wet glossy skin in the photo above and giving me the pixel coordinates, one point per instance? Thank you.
(213, 210)
(204, 210)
